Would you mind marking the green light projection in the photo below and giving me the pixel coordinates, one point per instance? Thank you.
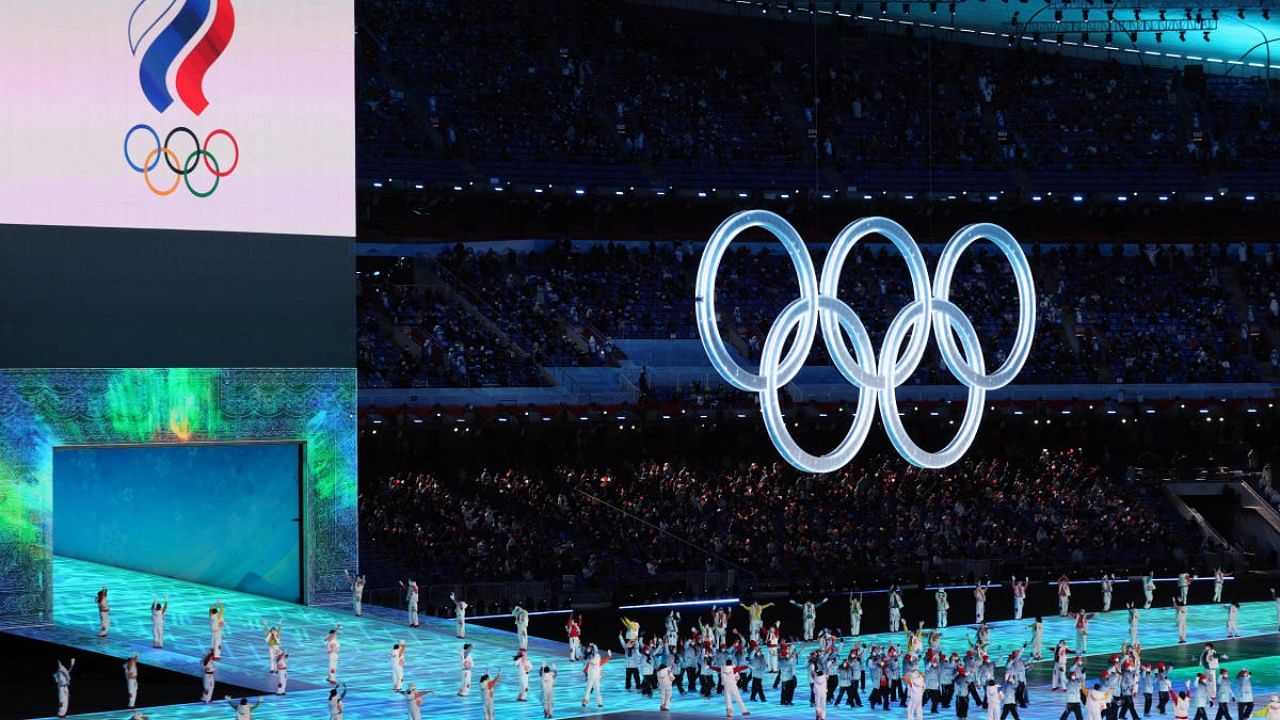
(43, 409)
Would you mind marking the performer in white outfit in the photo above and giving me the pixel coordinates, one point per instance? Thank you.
(1219, 579)
(940, 600)
(1097, 699)
(217, 621)
(411, 597)
(573, 628)
(357, 591)
(131, 679)
(521, 618)
(1180, 616)
(104, 613)
(895, 608)
(460, 612)
(915, 695)
(719, 624)
(729, 686)
(1148, 590)
(486, 689)
(773, 642)
(282, 672)
(464, 686)
(523, 666)
(1133, 624)
(1037, 638)
(548, 678)
(1064, 595)
(994, 699)
(158, 610)
(980, 601)
(331, 648)
(673, 627)
(855, 618)
(665, 679)
(1019, 595)
(1108, 586)
(272, 635)
(1082, 619)
(207, 664)
(397, 664)
(1184, 586)
(62, 679)
(336, 705)
(415, 697)
(244, 711)
(593, 669)
(818, 681)
(1233, 614)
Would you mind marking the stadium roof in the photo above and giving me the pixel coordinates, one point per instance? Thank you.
(1234, 38)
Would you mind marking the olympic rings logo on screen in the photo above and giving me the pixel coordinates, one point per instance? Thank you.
(876, 380)
(182, 164)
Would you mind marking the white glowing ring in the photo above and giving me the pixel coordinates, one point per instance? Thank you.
(705, 305)
(931, 309)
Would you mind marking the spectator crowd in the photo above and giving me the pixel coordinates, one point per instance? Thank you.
(877, 518)
(1135, 314)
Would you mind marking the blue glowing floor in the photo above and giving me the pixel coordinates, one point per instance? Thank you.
(433, 652)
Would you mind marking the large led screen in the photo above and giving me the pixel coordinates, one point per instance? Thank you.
(222, 515)
(225, 115)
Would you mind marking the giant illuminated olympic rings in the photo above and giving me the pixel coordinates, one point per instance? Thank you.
(183, 169)
(876, 380)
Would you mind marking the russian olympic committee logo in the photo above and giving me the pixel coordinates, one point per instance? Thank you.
(185, 19)
(931, 309)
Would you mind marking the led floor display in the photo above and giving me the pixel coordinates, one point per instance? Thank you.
(432, 660)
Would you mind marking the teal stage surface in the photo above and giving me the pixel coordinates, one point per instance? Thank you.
(433, 654)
